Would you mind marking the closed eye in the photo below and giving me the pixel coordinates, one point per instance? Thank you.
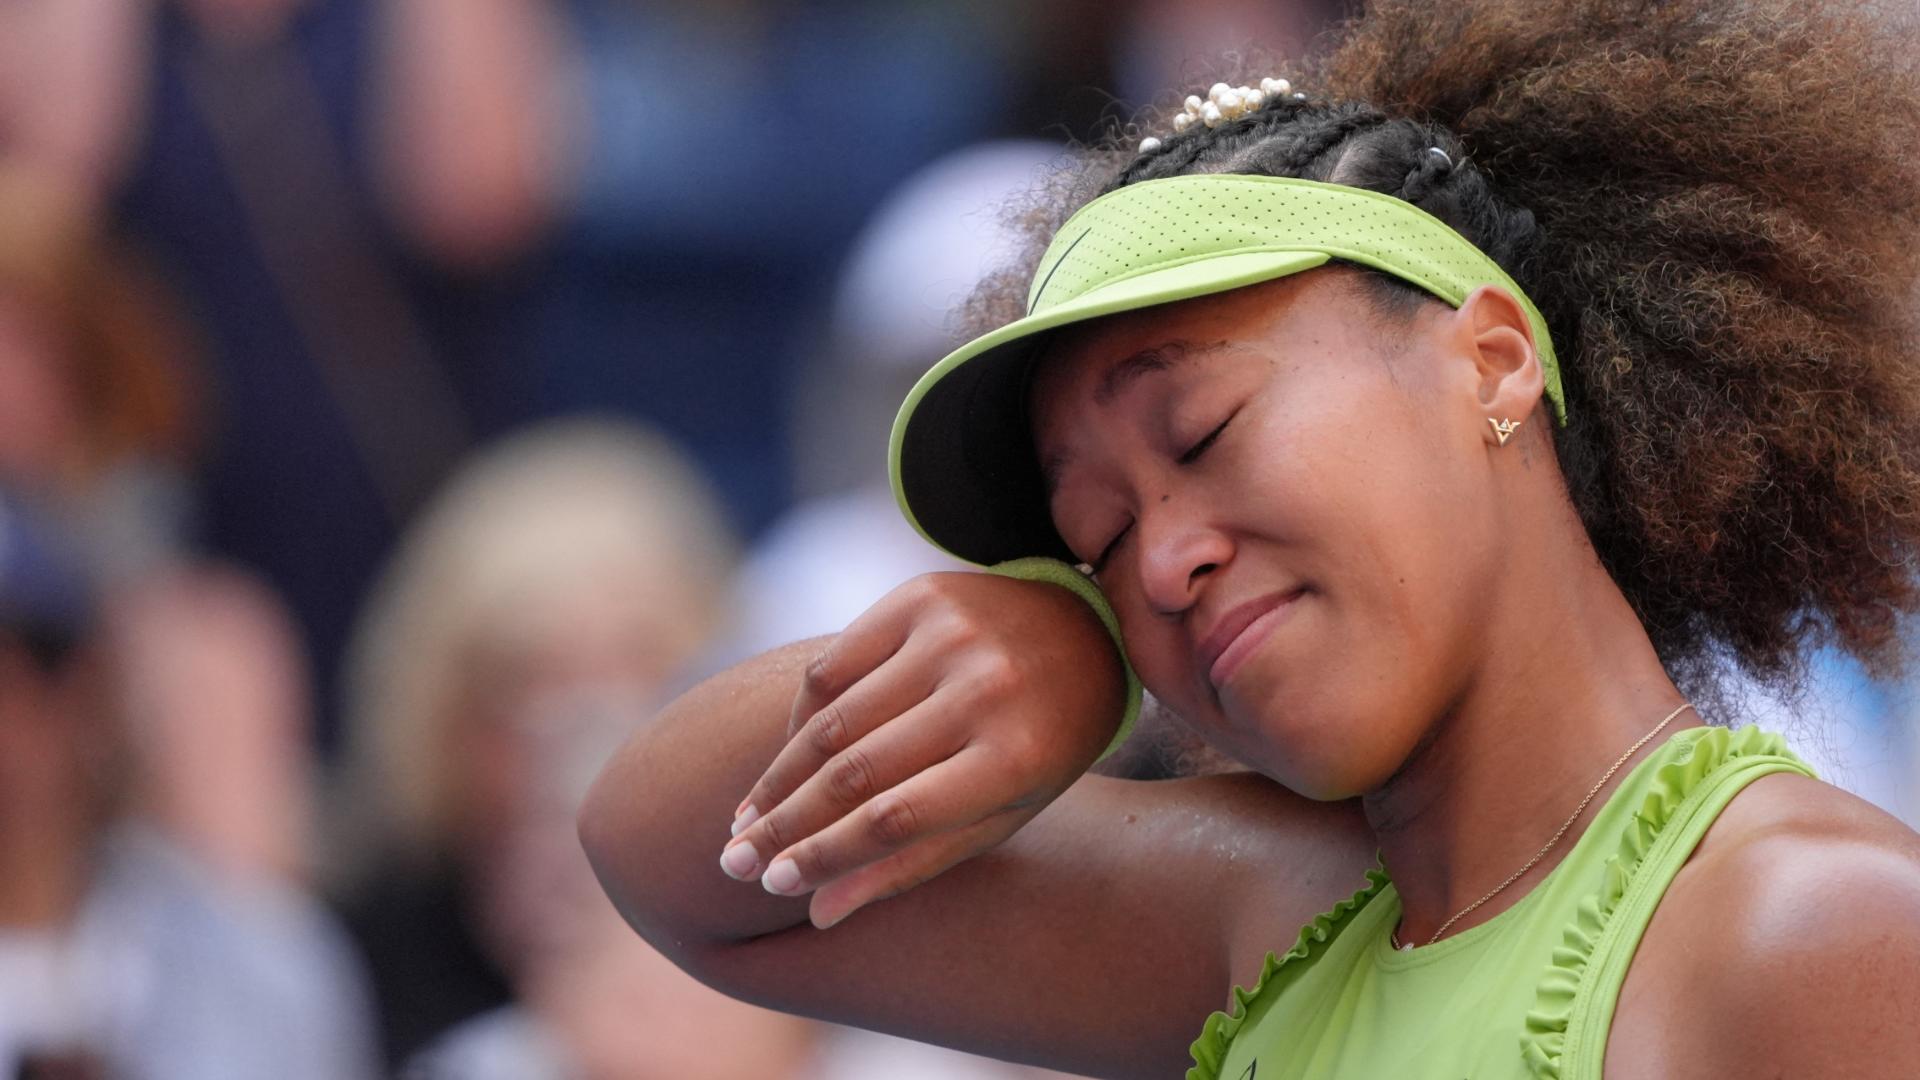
(1099, 563)
(1193, 453)
(1189, 457)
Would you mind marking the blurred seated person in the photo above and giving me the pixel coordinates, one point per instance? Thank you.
(148, 929)
(543, 605)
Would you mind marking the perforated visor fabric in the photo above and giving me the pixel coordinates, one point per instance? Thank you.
(961, 457)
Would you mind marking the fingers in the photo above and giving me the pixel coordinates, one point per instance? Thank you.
(853, 653)
(888, 754)
(888, 776)
(829, 738)
(953, 794)
(910, 868)
(856, 651)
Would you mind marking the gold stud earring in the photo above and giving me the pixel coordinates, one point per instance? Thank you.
(1503, 428)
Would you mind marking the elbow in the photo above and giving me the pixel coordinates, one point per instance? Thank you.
(600, 829)
(615, 849)
(617, 836)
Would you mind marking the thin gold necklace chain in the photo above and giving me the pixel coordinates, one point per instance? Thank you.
(1394, 934)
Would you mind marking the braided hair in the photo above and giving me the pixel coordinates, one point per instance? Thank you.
(1716, 206)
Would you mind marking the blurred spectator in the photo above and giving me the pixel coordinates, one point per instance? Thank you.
(450, 110)
(409, 224)
(533, 617)
(169, 785)
(148, 927)
(338, 187)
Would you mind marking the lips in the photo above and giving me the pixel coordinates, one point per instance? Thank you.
(1240, 631)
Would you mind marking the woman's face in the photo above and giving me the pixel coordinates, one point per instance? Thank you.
(1285, 492)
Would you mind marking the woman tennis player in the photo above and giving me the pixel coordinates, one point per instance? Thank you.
(1442, 433)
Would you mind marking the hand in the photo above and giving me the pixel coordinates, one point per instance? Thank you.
(945, 718)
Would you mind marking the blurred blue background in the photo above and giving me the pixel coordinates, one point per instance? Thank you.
(398, 398)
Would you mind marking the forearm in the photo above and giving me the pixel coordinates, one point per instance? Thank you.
(656, 819)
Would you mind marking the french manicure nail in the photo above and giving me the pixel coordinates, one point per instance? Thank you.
(782, 878)
(746, 817)
(740, 861)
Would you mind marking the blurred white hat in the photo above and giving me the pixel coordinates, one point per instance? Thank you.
(930, 242)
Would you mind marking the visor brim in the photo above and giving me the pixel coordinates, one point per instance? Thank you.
(961, 457)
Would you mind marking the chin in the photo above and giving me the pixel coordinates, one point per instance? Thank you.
(1317, 749)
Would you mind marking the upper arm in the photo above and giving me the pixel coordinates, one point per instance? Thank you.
(1096, 939)
(1796, 948)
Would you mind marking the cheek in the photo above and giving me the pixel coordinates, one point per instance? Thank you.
(1157, 650)
(1436, 539)
(1383, 524)
(1410, 572)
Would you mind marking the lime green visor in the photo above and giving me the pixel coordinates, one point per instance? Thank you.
(961, 458)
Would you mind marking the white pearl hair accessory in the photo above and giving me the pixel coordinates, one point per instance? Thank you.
(1232, 102)
(1224, 103)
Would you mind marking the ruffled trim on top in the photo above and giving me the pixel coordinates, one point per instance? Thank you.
(1209, 1051)
(1546, 1035)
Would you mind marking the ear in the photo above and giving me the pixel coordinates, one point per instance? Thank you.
(1495, 334)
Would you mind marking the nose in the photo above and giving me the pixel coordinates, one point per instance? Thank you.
(1178, 550)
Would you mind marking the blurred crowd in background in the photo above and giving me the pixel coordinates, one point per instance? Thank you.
(399, 399)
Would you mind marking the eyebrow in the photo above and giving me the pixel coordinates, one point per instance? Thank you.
(1129, 370)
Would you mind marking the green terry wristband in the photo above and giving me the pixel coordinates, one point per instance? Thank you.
(1041, 568)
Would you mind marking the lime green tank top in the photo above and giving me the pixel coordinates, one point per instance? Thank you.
(1527, 995)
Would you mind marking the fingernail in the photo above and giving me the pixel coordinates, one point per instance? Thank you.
(831, 922)
(740, 861)
(782, 878)
(742, 808)
(746, 817)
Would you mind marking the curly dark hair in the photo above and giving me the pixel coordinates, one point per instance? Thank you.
(1716, 205)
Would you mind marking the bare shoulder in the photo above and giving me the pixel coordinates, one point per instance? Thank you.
(1789, 945)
